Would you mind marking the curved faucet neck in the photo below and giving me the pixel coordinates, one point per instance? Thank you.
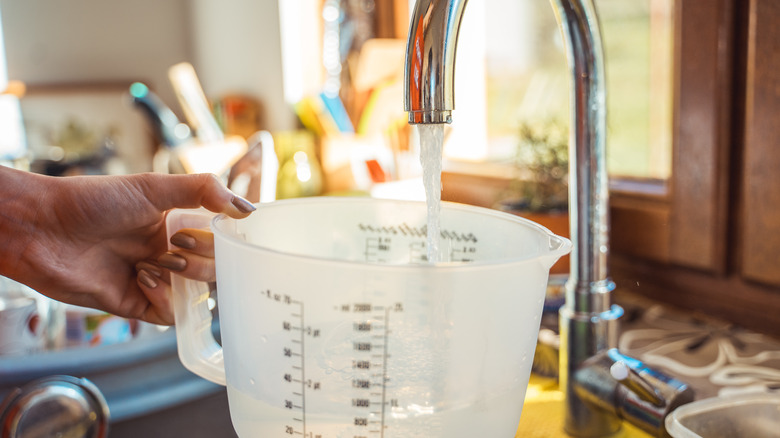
(429, 81)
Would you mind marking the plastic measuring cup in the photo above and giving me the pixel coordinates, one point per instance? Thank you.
(333, 325)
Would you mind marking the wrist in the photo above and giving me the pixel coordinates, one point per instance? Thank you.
(20, 198)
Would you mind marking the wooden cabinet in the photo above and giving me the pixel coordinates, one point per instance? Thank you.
(709, 238)
(760, 213)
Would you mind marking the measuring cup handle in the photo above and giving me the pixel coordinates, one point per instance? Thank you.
(199, 352)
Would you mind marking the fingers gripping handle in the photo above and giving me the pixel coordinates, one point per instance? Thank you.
(199, 352)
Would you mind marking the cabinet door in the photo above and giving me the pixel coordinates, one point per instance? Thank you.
(760, 213)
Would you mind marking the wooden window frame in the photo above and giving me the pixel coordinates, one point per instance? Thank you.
(681, 241)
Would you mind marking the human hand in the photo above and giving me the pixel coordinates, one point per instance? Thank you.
(193, 259)
(79, 239)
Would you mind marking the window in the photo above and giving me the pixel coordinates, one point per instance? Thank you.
(703, 230)
(711, 242)
(527, 81)
(637, 38)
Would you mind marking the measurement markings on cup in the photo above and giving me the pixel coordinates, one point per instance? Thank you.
(377, 249)
(296, 376)
(370, 366)
(463, 253)
(370, 355)
(418, 252)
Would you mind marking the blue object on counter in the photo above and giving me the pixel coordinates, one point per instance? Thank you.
(336, 109)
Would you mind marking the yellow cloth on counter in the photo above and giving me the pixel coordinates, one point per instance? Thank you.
(543, 413)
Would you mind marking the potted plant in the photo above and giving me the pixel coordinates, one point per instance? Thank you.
(539, 192)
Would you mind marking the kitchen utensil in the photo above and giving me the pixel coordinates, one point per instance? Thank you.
(193, 102)
(746, 415)
(333, 324)
(167, 126)
(56, 406)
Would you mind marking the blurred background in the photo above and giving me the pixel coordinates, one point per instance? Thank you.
(267, 65)
(289, 98)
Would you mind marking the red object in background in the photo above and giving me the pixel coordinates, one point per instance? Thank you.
(378, 175)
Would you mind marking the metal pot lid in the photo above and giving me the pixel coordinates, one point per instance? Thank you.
(55, 406)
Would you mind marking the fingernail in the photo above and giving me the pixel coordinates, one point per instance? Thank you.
(150, 268)
(174, 262)
(183, 240)
(242, 204)
(146, 279)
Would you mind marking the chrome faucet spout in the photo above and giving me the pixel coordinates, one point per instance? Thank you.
(429, 80)
(588, 319)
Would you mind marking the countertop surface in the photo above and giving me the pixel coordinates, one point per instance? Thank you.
(543, 412)
(713, 357)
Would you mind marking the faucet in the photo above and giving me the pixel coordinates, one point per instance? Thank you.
(602, 387)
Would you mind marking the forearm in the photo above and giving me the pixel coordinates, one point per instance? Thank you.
(21, 194)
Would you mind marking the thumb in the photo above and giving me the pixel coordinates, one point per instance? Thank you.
(192, 191)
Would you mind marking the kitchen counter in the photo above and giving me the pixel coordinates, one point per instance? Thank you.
(543, 412)
(713, 357)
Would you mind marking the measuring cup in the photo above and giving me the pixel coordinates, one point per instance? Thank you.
(334, 325)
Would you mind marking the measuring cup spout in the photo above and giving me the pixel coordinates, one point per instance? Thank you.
(557, 247)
